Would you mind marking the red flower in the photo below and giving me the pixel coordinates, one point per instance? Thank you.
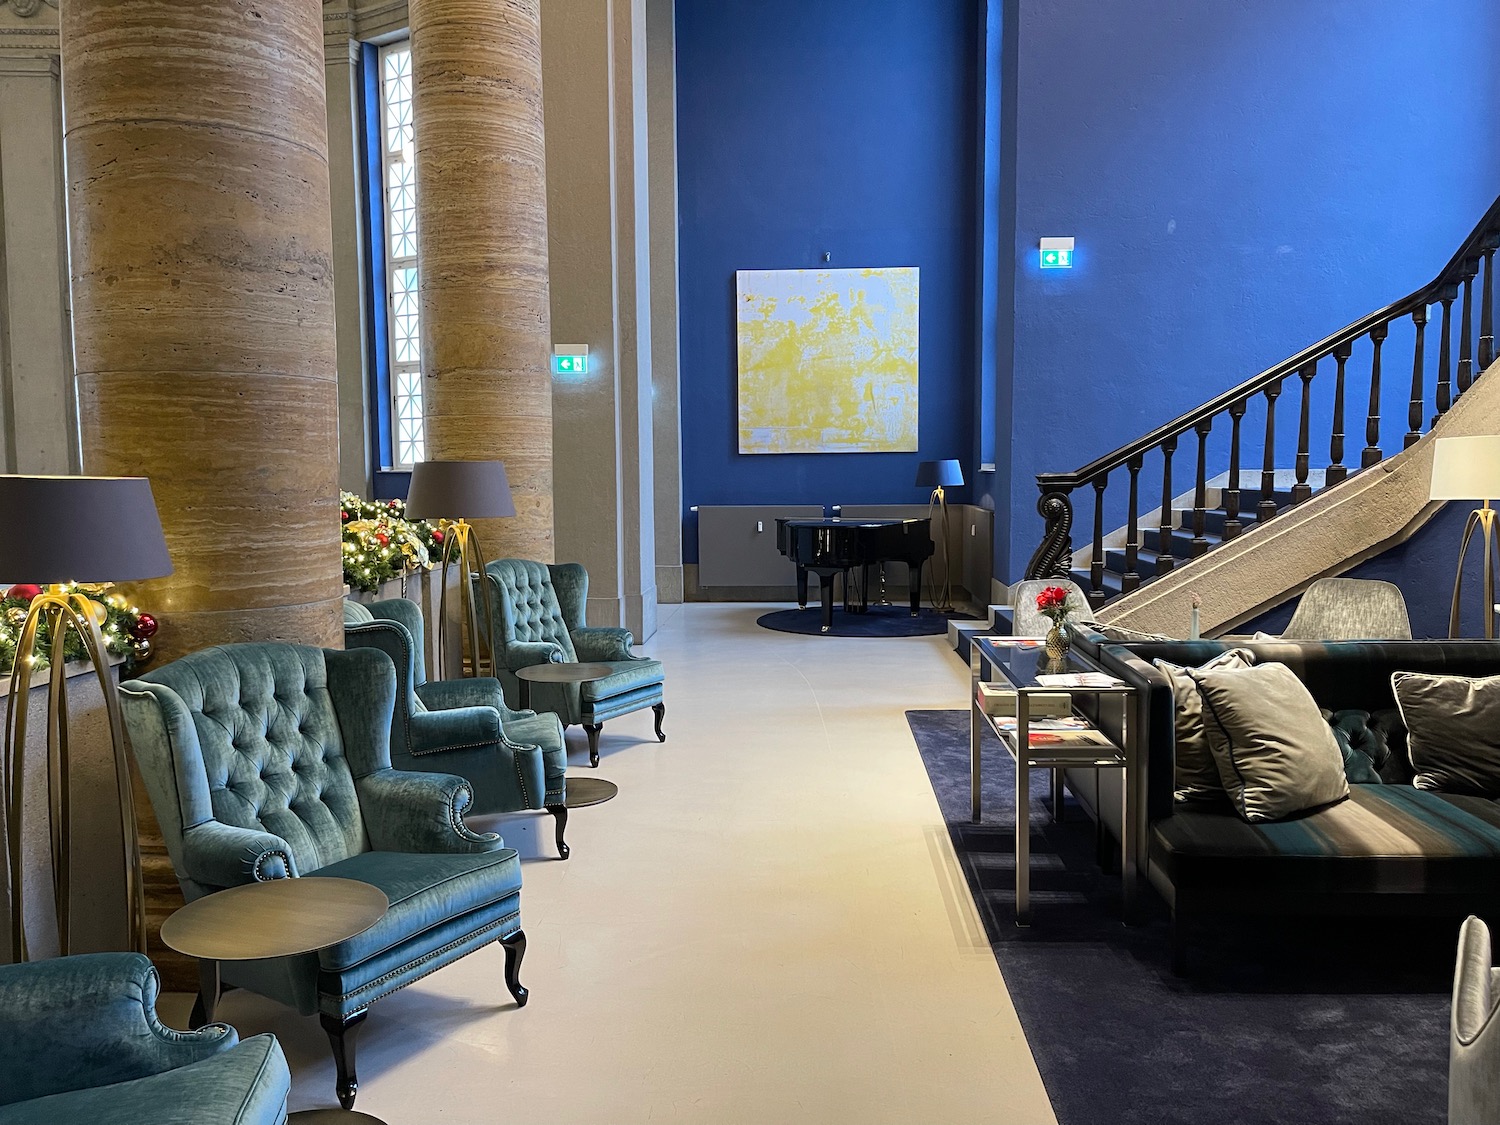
(1053, 597)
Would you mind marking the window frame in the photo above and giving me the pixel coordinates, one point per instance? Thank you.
(401, 389)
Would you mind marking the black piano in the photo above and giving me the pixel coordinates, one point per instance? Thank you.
(832, 548)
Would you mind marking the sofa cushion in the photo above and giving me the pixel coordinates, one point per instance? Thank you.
(1197, 772)
(424, 891)
(1276, 755)
(625, 675)
(1383, 839)
(1453, 730)
(245, 1085)
(1363, 749)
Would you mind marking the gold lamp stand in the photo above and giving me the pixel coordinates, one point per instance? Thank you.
(61, 610)
(461, 546)
(942, 598)
(1482, 521)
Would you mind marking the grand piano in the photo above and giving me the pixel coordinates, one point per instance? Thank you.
(836, 547)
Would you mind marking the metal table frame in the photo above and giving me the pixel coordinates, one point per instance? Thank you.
(1027, 758)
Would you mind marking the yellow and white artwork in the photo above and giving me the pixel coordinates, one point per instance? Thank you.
(828, 360)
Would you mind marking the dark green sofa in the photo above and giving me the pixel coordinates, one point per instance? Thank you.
(1389, 848)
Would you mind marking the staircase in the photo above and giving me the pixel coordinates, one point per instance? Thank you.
(1426, 351)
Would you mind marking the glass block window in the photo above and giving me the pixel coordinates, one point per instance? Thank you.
(400, 169)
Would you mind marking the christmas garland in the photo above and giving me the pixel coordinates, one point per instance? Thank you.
(127, 631)
(380, 543)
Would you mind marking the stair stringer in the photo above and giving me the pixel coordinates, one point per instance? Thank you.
(1340, 527)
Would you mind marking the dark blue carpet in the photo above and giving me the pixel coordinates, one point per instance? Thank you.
(1297, 1021)
(877, 621)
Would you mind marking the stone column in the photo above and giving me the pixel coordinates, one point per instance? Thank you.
(197, 152)
(600, 218)
(38, 429)
(482, 245)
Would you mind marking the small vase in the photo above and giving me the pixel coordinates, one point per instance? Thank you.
(1056, 645)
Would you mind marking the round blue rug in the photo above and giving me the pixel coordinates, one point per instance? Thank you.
(877, 621)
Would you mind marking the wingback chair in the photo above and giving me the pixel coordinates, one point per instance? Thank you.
(83, 1044)
(514, 760)
(539, 619)
(272, 761)
(1474, 1032)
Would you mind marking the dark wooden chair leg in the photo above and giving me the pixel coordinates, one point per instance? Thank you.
(341, 1035)
(661, 713)
(561, 813)
(593, 733)
(209, 990)
(515, 950)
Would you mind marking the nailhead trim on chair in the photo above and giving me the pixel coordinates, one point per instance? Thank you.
(452, 945)
(258, 870)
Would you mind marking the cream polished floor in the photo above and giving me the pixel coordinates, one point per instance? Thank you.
(767, 925)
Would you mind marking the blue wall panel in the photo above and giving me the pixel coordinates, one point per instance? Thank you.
(846, 127)
(1243, 177)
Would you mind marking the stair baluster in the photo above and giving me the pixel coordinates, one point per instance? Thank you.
(1302, 490)
(1445, 354)
(1372, 453)
(1200, 491)
(1418, 394)
(1096, 567)
(1232, 525)
(1266, 509)
(1164, 558)
(1487, 306)
(1466, 330)
(1132, 576)
(1336, 471)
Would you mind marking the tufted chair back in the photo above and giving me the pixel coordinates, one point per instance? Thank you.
(528, 608)
(249, 735)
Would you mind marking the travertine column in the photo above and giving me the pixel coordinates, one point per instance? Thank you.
(197, 153)
(482, 245)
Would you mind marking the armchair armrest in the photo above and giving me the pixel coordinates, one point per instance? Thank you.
(90, 1020)
(432, 732)
(443, 695)
(420, 812)
(222, 855)
(603, 643)
(523, 654)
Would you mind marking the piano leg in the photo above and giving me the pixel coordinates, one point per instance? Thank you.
(914, 576)
(802, 587)
(825, 587)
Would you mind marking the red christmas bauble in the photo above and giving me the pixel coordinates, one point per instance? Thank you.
(437, 536)
(144, 628)
(23, 590)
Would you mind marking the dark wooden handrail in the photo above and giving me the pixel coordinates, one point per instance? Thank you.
(1451, 274)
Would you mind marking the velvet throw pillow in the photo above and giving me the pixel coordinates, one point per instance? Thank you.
(1453, 731)
(1276, 755)
(1197, 777)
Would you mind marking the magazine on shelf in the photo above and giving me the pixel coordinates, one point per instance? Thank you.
(1080, 680)
(1074, 731)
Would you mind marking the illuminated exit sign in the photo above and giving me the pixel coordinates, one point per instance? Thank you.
(1057, 253)
(570, 360)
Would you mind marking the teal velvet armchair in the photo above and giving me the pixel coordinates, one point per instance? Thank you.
(514, 760)
(538, 618)
(82, 1044)
(272, 761)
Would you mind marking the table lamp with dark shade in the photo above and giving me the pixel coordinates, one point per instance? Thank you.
(63, 530)
(1468, 468)
(459, 491)
(938, 475)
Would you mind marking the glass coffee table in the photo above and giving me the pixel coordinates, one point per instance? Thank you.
(1015, 665)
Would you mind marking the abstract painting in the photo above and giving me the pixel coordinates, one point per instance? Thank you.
(828, 360)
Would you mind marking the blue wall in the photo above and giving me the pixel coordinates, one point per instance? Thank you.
(839, 126)
(1243, 177)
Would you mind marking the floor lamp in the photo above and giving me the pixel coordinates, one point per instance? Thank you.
(460, 491)
(63, 530)
(1468, 468)
(938, 475)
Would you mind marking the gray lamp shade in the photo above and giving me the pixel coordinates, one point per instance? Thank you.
(80, 529)
(935, 474)
(459, 490)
